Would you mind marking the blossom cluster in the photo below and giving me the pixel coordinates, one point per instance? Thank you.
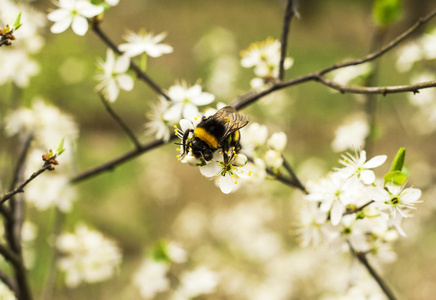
(264, 57)
(153, 276)
(48, 126)
(350, 205)
(16, 62)
(87, 256)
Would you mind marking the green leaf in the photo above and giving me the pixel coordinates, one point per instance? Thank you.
(399, 159)
(386, 12)
(60, 149)
(160, 251)
(395, 177)
(17, 23)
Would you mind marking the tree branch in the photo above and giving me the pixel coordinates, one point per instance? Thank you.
(141, 74)
(120, 122)
(289, 13)
(384, 49)
(291, 172)
(244, 101)
(382, 90)
(364, 261)
(117, 161)
(19, 189)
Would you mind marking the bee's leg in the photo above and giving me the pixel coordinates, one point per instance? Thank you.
(184, 143)
(226, 149)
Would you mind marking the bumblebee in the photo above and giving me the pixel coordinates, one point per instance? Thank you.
(219, 131)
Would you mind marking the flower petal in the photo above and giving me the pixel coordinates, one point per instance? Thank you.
(367, 176)
(210, 170)
(336, 212)
(226, 183)
(79, 25)
(125, 82)
(411, 195)
(61, 26)
(375, 161)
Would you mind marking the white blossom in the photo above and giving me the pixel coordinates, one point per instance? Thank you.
(144, 42)
(49, 191)
(151, 278)
(396, 198)
(185, 101)
(359, 167)
(73, 13)
(227, 176)
(277, 141)
(112, 76)
(198, 282)
(265, 57)
(156, 124)
(351, 134)
(87, 256)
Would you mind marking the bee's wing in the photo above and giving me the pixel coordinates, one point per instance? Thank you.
(232, 119)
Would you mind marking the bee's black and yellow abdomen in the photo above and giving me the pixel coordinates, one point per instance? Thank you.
(211, 131)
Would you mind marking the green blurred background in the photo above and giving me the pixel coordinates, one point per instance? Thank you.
(143, 200)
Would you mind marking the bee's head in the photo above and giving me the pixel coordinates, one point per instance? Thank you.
(201, 150)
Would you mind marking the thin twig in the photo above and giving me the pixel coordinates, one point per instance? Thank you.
(289, 13)
(141, 74)
(294, 175)
(110, 165)
(21, 161)
(384, 49)
(364, 261)
(19, 189)
(10, 255)
(120, 122)
(360, 208)
(382, 90)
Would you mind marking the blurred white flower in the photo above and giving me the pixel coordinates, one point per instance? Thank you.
(49, 191)
(227, 176)
(408, 56)
(273, 159)
(113, 77)
(310, 229)
(197, 282)
(176, 253)
(73, 13)
(334, 193)
(428, 44)
(350, 135)
(151, 278)
(48, 126)
(87, 256)
(144, 42)
(28, 235)
(264, 57)
(17, 67)
(346, 75)
(277, 141)
(156, 124)
(258, 171)
(253, 136)
(185, 101)
(358, 166)
(112, 2)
